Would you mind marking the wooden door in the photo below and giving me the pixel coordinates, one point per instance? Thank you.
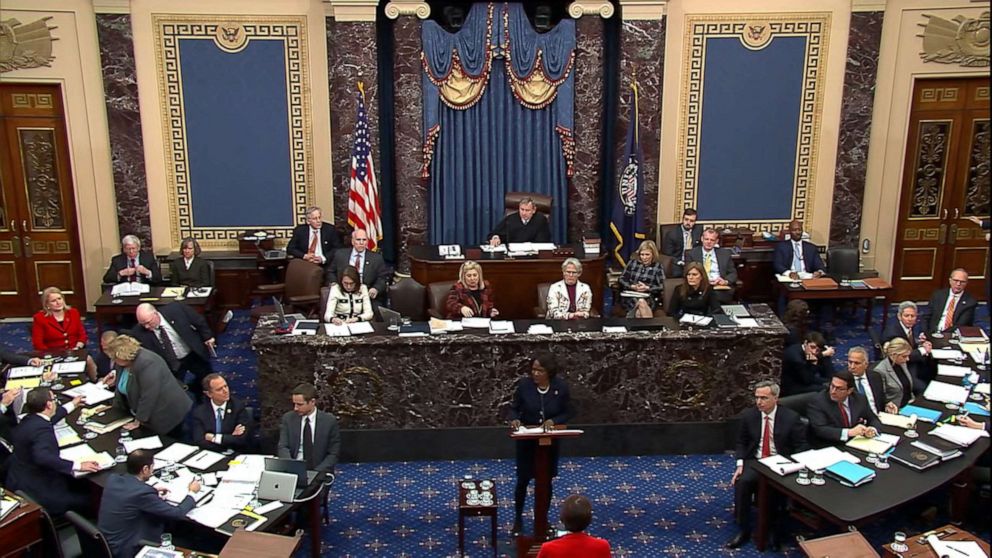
(39, 240)
(946, 180)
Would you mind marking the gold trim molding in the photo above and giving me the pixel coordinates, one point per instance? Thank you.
(638, 10)
(350, 10)
(396, 8)
(25, 45)
(868, 5)
(602, 8)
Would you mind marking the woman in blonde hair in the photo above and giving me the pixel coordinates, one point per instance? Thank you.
(643, 275)
(58, 327)
(471, 296)
(147, 389)
(897, 381)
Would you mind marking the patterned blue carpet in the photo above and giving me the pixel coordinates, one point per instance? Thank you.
(648, 506)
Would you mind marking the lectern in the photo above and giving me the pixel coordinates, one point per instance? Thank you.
(529, 545)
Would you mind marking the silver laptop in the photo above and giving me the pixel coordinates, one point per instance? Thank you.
(388, 313)
(277, 486)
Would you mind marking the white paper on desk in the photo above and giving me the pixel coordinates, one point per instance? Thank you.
(130, 289)
(982, 388)
(65, 435)
(74, 367)
(475, 323)
(209, 479)
(334, 330)
(91, 393)
(694, 319)
(149, 443)
(540, 329)
(271, 506)
(24, 372)
(945, 393)
(819, 459)
(898, 421)
(953, 371)
(82, 452)
(746, 322)
(501, 326)
(361, 328)
(174, 453)
(493, 249)
(204, 460)
(201, 292)
(213, 514)
(960, 435)
(634, 294)
(947, 354)
(781, 464)
(614, 329)
(964, 549)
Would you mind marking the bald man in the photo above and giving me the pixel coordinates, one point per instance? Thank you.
(179, 335)
(795, 255)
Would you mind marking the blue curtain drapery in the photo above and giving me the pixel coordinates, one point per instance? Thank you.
(498, 117)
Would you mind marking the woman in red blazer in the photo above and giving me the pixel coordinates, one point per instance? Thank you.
(471, 296)
(58, 327)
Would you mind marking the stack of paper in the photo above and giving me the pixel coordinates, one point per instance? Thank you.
(818, 459)
(334, 330)
(501, 326)
(83, 452)
(130, 289)
(444, 326)
(879, 444)
(65, 435)
(360, 328)
(24, 372)
(475, 323)
(613, 329)
(945, 393)
(149, 443)
(694, 319)
(781, 464)
(540, 329)
(91, 393)
(947, 354)
(173, 292)
(963, 549)
(899, 421)
(174, 453)
(960, 435)
(952, 370)
(204, 460)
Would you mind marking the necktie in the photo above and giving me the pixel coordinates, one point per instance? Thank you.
(861, 385)
(949, 318)
(307, 443)
(131, 264)
(170, 351)
(686, 242)
(358, 264)
(708, 263)
(313, 242)
(846, 420)
(797, 257)
(766, 442)
(217, 421)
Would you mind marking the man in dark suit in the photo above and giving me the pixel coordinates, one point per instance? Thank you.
(526, 225)
(839, 413)
(796, 255)
(921, 363)
(765, 430)
(867, 382)
(7, 423)
(370, 265)
(309, 434)
(132, 511)
(179, 335)
(221, 422)
(133, 265)
(36, 467)
(678, 241)
(806, 366)
(718, 263)
(953, 307)
(315, 240)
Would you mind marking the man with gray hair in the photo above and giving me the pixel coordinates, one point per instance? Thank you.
(766, 429)
(133, 265)
(315, 240)
(868, 382)
(526, 225)
(906, 326)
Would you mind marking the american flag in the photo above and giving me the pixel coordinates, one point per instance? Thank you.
(364, 212)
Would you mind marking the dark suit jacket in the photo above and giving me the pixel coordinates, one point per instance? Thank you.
(204, 421)
(825, 419)
(877, 389)
(198, 274)
(36, 467)
(964, 311)
(154, 396)
(800, 375)
(373, 276)
(788, 431)
(724, 261)
(13, 359)
(119, 262)
(131, 511)
(191, 326)
(326, 439)
(693, 303)
(782, 259)
(512, 229)
(300, 241)
(922, 366)
(673, 243)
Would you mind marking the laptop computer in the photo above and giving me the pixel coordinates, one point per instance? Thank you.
(293, 467)
(277, 486)
(388, 314)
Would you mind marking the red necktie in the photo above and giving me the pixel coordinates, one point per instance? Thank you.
(843, 415)
(312, 249)
(766, 442)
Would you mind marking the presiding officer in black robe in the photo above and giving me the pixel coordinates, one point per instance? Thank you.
(526, 225)
(541, 399)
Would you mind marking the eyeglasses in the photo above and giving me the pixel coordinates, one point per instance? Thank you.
(838, 388)
(571, 273)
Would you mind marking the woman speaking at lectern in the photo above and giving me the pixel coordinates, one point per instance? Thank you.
(541, 399)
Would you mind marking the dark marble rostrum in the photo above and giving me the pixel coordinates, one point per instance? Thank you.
(855, 126)
(124, 120)
(384, 381)
(348, 62)
(583, 199)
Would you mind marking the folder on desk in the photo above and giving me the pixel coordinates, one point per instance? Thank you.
(922, 413)
(415, 329)
(914, 457)
(850, 474)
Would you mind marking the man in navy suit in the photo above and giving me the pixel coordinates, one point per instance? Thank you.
(765, 430)
(221, 422)
(867, 382)
(315, 240)
(921, 362)
(370, 266)
(36, 467)
(678, 241)
(796, 255)
(179, 335)
(308, 434)
(133, 265)
(132, 511)
(839, 413)
(953, 307)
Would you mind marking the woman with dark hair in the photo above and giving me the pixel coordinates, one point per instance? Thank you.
(348, 300)
(541, 399)
(694, 295)
(189, 269)
(796, 320)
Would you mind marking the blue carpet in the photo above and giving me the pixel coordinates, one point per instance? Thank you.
(648, 506)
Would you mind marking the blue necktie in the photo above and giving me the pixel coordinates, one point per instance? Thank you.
(218, 421)
(797, 260)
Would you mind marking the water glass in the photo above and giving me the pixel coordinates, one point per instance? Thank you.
(899, 542)
(803, 478)
(394, 324)
(818, 478)
(121, 454)
(872, 458)
(166, 544)
(883, 461)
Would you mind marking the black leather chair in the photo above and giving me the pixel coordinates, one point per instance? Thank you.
(91, 541)
(437, 298)
(843, 262)
(300, 292)
(511, 202)
(408, 297)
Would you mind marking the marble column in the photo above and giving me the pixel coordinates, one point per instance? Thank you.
(855, 126)
(348, 62)
(583, 198)
(124, 119)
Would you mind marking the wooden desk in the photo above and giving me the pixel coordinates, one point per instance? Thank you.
(515, 280)
(485, 508)
(21, 530)
(840, 293)
(918, 547)
(107, 311)
(252, 544)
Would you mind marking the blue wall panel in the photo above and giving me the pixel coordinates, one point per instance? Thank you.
(237, 134)
(750, 122)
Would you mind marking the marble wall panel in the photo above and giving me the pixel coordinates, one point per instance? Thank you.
(855, 126)
(642, 54)
(349, 61)
(583, 196)
(124, 119)
(411, 194)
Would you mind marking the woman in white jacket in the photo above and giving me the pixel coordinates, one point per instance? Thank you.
(569, 299)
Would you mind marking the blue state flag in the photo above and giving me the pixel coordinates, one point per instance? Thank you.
(627, 228)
